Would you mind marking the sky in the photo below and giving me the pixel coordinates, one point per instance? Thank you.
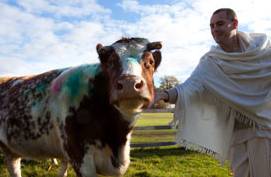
(41, 35)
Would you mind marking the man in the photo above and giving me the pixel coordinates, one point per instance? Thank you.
(224, 107)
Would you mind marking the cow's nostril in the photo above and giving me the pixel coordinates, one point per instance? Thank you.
(119, 86)
(139, 85)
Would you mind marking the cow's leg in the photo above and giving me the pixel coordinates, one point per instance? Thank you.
(85, 169)
(86, 166)
(63, 169)
(12, 161)
(13, 165)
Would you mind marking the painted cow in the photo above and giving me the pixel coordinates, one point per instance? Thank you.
(83, 115)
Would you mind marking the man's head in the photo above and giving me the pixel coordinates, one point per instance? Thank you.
(223, 25)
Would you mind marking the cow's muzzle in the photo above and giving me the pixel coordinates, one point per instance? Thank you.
(131, 92)
(130, 85)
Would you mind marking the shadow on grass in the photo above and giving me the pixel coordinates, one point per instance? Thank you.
(167, 151)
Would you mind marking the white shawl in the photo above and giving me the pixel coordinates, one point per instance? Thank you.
(223, 87)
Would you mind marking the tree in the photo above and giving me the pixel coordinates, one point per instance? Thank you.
(168, 82)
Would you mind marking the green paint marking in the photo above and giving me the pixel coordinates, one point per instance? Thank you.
(77, 81)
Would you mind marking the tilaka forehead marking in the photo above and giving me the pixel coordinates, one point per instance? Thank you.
(133, 48)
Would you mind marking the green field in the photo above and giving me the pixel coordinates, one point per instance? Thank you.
(153, 119)
(169, 161)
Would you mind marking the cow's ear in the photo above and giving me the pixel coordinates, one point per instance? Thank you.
(98, 47)
(157, 58)
(154, 45)
(103, 52)
(100, 50)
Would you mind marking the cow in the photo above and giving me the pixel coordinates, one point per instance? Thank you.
(83, 115)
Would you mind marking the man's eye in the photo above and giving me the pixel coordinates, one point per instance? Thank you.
(220, 23)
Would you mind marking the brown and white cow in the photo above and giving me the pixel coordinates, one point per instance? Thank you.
(83, 115)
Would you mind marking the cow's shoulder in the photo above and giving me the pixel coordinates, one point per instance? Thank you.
(75, 81)
(78, 75)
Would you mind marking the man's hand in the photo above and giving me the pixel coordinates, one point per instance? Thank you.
(161, 96)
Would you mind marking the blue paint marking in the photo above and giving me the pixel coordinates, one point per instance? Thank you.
(133, 60)
(77, 83)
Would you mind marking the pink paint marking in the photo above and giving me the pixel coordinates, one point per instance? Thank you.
(56, 85)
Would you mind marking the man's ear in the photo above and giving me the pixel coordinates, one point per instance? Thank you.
(235, 23)
(157, 58)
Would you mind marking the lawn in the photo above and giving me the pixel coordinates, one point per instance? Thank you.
(153, 119)
(168, 161)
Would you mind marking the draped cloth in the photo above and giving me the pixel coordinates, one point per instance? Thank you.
(224, 87)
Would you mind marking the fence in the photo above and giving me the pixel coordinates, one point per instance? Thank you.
(153, 144)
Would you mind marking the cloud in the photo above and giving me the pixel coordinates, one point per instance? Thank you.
(39, 35)
(182, 30)
(183, 26)
(44, 43)
(63, 8)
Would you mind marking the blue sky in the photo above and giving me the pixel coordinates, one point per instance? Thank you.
(40, 35)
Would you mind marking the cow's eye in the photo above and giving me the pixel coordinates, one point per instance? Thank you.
(151, 62)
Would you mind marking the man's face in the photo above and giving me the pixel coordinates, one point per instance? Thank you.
(222, 28)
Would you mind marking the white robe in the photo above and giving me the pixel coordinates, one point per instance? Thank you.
(225, 87)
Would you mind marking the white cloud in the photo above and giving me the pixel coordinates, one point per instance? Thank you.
(183, 26)
(41, 43)
(67, 8)
(33, 41)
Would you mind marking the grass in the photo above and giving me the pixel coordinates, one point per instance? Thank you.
(173, 162)
(169, 161)
(154, 119)
(141, 136)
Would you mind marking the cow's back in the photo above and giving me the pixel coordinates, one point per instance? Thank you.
(25, 116)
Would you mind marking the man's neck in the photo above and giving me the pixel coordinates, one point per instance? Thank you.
(232, 45)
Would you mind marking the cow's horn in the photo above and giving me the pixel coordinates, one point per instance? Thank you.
(154, 45)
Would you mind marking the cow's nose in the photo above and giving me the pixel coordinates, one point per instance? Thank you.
(130, 84)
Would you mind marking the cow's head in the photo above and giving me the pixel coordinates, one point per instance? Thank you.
(129, 64)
